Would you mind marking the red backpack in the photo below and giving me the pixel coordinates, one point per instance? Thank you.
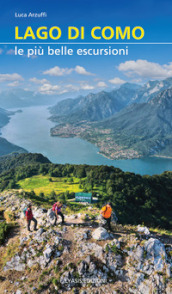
(54, 206)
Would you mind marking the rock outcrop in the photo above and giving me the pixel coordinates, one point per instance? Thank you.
(100, 234)
(79, 259)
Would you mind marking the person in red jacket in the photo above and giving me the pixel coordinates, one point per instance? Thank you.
(29, 218)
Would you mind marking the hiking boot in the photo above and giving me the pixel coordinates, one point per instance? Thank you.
(35, 229)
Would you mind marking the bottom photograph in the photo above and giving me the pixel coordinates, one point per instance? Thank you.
(68, 228)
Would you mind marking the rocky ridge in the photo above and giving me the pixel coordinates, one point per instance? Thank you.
(80, 257)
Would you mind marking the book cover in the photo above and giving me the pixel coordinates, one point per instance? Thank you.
(85, 146)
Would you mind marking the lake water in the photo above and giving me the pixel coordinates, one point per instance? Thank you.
(30, 129)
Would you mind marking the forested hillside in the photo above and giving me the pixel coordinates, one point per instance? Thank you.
(136, 199)
(5, 146)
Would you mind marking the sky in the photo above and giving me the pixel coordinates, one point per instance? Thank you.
(70, 76)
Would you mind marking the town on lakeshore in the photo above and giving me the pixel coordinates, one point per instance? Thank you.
(103, 139)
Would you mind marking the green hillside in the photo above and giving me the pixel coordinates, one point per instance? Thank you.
(135, 198)
(7, 148)
(14, 160)
(47, 185)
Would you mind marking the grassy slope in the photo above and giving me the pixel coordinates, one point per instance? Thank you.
(43, 184)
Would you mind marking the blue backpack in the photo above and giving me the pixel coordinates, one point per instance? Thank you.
(24, 211)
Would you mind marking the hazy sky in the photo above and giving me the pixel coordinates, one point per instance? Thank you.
(72, 75)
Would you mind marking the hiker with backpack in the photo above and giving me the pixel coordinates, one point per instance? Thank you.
(29, 218)
(57, 210)
(106, 213)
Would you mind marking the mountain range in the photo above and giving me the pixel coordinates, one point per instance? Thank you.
(146, 127)
(131, 118)
(150, 90)
(94, 107)
(5, 146)
(101, 105)
(128, 122)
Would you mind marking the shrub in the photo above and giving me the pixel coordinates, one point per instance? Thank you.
(4, 228)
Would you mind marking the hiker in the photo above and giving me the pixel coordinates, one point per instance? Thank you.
(29, 218)
(57, 210)
(106, 212)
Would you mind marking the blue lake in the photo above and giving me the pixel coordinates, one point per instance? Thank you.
(30, 129)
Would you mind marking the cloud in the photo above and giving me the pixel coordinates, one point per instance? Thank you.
(1, 50)
(14, 84)
(101, 84)
(82, 85)
(117, 81)
(87, 87)
(48, 89)
(10, 77)
(57, 71)
(39, 82)
(146, 69)
(82, 71)
(71, 87)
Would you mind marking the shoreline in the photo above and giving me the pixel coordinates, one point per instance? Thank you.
(161, 156)
(119, 153)
(105, 155)
(142, 165)
(126, 158)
